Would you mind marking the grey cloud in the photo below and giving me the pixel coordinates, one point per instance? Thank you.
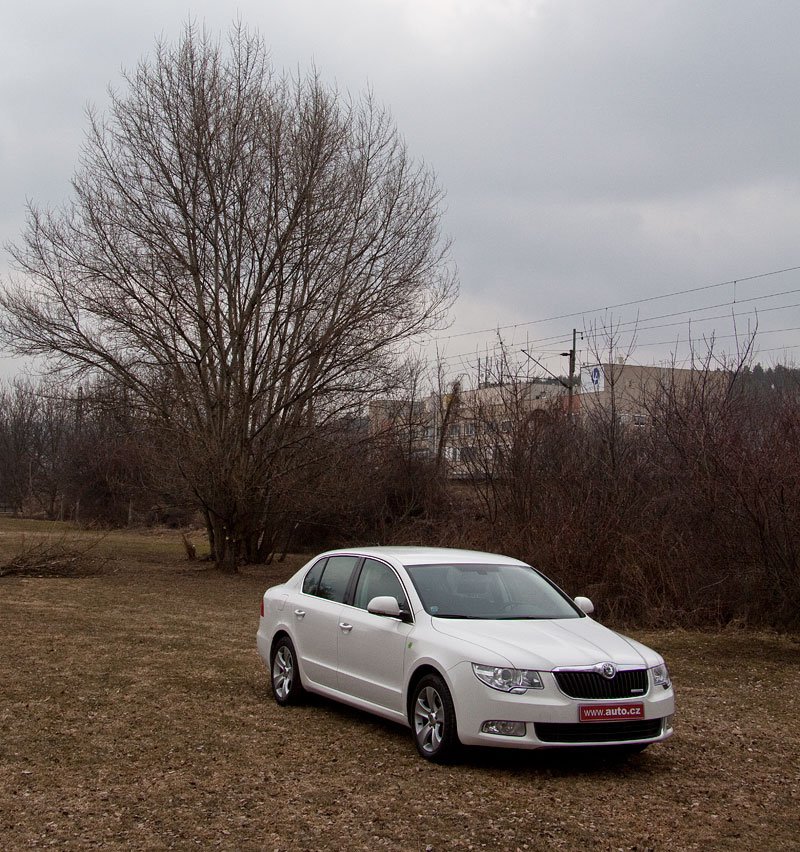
(592, 152)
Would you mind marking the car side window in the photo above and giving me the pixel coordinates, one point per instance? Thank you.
(311, 581)
(377, 579)
(336, 577)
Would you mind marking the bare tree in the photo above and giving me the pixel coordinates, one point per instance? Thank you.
(245, 252)
(604, 342)
(20, 443)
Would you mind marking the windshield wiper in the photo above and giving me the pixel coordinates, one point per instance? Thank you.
(532, 617)
(454, 615)
(521, 617)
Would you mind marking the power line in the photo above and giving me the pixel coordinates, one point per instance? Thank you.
(733, 281)
(715, 337)
(557, 340)
(734, 316)
(689, 341)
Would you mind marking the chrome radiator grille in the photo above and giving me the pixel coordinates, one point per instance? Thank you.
(624, 684)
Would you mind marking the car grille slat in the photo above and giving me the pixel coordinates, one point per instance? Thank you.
(628, 683)
(598, 732)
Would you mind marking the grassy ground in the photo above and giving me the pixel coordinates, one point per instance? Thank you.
(134, 712)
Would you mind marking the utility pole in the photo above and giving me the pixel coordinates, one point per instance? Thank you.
(569, 385)
(570, 388)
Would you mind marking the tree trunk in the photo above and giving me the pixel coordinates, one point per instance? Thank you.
(222, 544)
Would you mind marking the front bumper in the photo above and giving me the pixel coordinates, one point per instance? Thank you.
(552, 718)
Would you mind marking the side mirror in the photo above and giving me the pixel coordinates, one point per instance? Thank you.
(386, 605)
(584, 605)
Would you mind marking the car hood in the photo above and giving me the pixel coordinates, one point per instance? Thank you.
(546, 644)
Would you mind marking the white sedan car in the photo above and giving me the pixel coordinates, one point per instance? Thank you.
(462, 647)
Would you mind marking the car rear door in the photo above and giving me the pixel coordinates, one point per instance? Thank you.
(316, 618)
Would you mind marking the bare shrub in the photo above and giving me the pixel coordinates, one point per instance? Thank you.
(688, 515)
(730, 457)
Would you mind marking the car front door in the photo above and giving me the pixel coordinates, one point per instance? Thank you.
(372, 647)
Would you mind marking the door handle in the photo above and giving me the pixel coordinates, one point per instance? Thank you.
(299, 613)
(345, 627)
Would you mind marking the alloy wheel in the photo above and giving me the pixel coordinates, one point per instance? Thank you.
(429, 720)
(283, 672)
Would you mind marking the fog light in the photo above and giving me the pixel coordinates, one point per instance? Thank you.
(668, 723)
(503, 728)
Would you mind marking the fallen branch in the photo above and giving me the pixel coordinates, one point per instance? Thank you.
(60, 558)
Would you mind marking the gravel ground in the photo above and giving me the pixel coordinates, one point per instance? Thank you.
(135, 713)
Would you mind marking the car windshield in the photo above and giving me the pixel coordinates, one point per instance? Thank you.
(489, 592)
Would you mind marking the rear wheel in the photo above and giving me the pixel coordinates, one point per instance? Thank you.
(286, 686)
(433, 720)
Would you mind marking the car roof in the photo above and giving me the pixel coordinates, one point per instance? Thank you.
(429, 555)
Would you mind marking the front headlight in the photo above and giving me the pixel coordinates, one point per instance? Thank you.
(507, 680)
(660, 675)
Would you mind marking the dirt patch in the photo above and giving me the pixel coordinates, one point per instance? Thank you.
(135, 713)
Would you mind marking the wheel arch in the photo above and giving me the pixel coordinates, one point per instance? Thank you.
(416, 676)
(277, 636)
(283, 633)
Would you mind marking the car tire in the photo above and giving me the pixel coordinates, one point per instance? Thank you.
(285, 673)
(433, 720)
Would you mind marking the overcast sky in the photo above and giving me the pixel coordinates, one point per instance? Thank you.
(593, 153)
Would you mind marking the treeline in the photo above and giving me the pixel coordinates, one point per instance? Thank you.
(93, 455)
(692, 519)
(81, 455)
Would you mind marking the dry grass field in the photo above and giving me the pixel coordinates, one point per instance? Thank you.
(135, 713)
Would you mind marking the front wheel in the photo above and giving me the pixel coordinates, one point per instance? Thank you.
(286, 686)
(433, 720)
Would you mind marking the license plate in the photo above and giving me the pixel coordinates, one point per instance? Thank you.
(610, 712)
